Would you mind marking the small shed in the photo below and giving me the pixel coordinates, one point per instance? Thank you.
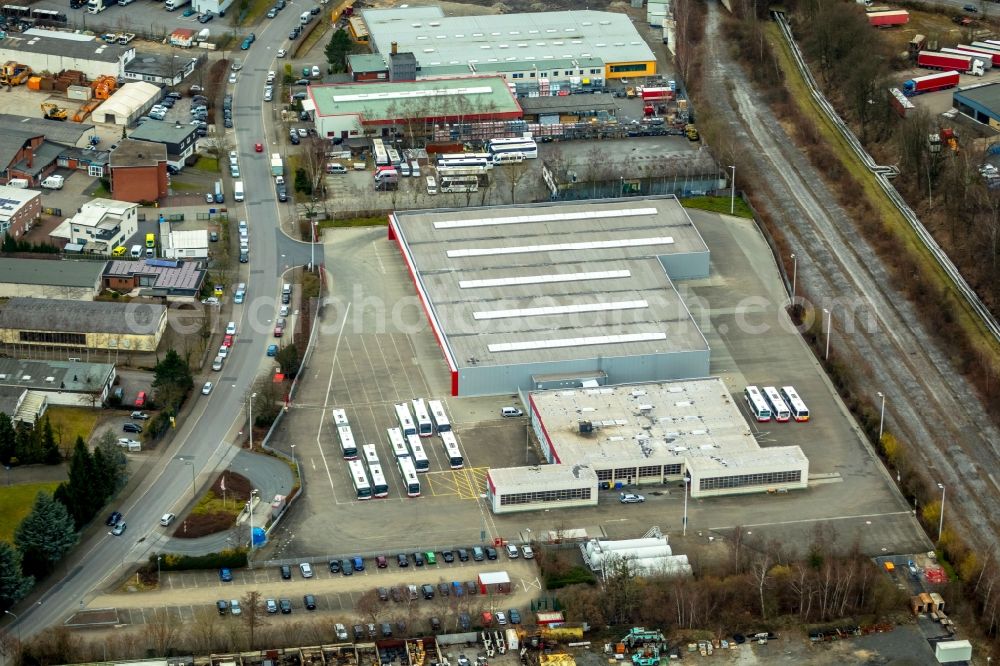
(549, 618)
(917, 605)
(951, 651)
(926, 602)
(938, 602)
(182, 37)
(493, 582)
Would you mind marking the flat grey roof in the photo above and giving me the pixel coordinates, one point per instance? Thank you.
(696, 423)
(51, 272)
(68, 48)
(987, 95)
(555, 281)
(187, 276)
(50, 314)
(569, 104)
(57, 131)
(54, 375)
(644, 160)
(366, 62)
(550, 477)
(133, 152)
(500, 40)
(162, 132)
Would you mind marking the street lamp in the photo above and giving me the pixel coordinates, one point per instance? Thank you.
(881, 415)
(826, 312)
(684, 523)
(293, 455)
(252, 396)
(16, 620)
(732, 191)
(157, 569)
(795, 271)
(250, 511)
(312, 243)
(194, 493)
(941, 520)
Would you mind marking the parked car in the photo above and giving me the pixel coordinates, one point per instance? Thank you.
(381, 562)
(285, 605)
(402, 560)
(448, 556)
(418, 559)
(225, 575)
(435, 624)
(309, 601)
(514, 615)
(334, 566)
(512, 551)
(118, 529)
(113, 519)
(234, 607)
(491, 553)
(306, 570)
(346, 567)
(463, 555)
(386, 630)
(631, 498)
(222, 606)
(527, 553)
(444, 589)
(271, 606)
(383, 593)
(286, 572)
(132, 427)
(427, 590)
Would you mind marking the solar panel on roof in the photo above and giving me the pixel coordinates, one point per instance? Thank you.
(542, 279)
(548, 217)
(575, 342)
(555, 247)
(561, 309)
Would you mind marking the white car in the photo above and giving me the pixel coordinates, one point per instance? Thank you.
(282, 53)
(232, 79)
(125, 442)
(242, 225)
(233, 157)
(631, 498)
(501, 617)
(207, 388)
(283, 311)
(306, 570)
(234, 171)
(231, 328)
(234, 607)
(223, 351)
(211, 300)
(512, 551)
(167, 519)
(527, 553)
(303, 132)
(270, 77)
(268, 96)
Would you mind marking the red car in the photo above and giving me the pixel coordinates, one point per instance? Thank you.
(279, 331)
(381, 562)
(227, 341)
(140, 400)
(258, 147)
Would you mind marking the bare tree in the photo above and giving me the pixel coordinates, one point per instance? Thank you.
(162, 631)
(370, 607)
(253, 614)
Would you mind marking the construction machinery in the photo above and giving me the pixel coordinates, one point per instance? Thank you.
(104, 86)
(642, 636)
(54, 111)
(14, 73)
(84, 111)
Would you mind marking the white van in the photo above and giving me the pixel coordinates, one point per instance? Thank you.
(432, 186)
(238, 190)
(404, 169)
(415, 169)
(334, 167)
(305, 17)
(53, 182)
(135, 252)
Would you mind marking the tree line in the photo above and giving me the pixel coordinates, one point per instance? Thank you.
(23, 444)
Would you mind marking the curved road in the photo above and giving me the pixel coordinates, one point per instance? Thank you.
(203, 442)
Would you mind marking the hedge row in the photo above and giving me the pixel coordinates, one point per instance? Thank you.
(232, 558)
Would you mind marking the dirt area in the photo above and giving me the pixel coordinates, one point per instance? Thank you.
(218, 508)
(94, 617)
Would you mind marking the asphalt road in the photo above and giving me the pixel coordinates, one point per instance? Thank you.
(204, 434)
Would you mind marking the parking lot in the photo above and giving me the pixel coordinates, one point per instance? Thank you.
(375, 349)
(187, 593)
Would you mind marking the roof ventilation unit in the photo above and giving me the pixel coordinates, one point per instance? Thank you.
(586, 427)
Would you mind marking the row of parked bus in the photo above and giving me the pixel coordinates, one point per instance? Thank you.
(426, 420)
(782, 404)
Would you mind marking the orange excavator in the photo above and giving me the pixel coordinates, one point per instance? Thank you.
(54, 111)
(14, 73)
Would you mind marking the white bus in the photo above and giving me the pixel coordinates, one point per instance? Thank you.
(381, 155)
(379, 487)
(397, 442)
(455, 170)
(339, 418)
(405, 420)
(526, 147)
(484, 162)
(451, 183)
(451, 450)
(417, 454)
(371, 456)
(797, 408)
(508, 158)
(360, 479)
(778, 407)
(441, 422)
(347, 445)
(409, 474)
(757, 404)
(424, 426)
(448, 157)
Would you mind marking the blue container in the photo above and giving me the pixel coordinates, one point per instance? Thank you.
(259, 537)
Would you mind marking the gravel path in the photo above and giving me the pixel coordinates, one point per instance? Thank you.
(927, 403)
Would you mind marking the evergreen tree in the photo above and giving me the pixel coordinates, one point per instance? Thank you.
(50, 451)
(9, 244)
(14, 585)
(23, 446)
(78, 492)
(112, 465)
(172, 380)
(338, 49)
(7, 439)
(45, 535)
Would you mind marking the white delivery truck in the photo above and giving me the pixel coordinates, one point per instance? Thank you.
(238, 190)
(171, 5)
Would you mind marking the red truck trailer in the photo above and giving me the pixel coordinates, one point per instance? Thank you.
(930, 83)
(947, 61)
(650, 93)
(889, 19)
(995, 54)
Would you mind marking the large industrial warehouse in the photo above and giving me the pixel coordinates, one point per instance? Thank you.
(636, 434)
(548, 295)
(538, 52)
(54, 51)
(354, 109)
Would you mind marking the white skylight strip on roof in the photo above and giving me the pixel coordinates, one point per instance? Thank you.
(556, 247)
(410, 94)
(575, 342)
(548, 217)
(543, 279)
(560, 309)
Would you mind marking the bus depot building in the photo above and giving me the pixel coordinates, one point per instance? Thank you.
(552, 295)
(610, 437)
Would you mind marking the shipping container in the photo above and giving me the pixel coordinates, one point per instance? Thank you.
(889, 19)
